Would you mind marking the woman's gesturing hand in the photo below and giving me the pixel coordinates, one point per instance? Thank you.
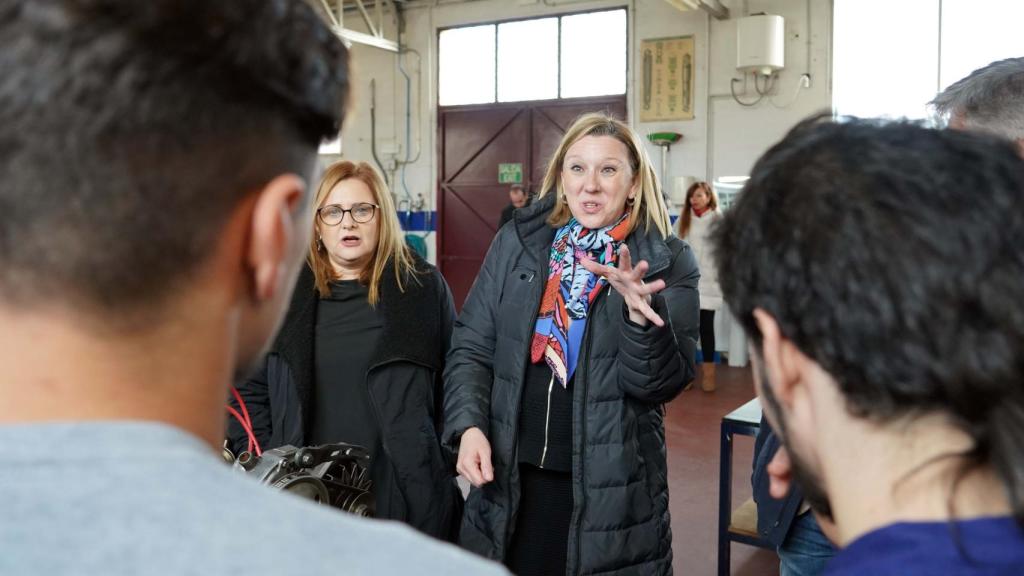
(628, 281)
(474, 463)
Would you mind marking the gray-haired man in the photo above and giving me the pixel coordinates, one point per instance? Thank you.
(990, 99)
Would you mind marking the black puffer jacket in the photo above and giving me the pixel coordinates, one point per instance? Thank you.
(405, 388)
(625, 373)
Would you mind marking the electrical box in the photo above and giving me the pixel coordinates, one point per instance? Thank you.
(761, 43)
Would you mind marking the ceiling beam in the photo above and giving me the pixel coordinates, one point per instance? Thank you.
(713, 7)
(335, 15)
(354, 37)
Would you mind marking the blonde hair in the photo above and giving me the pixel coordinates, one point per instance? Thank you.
(390, 241)
(649, 205)
(686, 217)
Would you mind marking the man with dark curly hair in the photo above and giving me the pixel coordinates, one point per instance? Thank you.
(990, 100)
(878, 271)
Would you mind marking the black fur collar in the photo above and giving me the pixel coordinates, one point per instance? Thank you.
(412, 325)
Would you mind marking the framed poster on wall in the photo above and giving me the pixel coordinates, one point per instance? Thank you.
(666, 79)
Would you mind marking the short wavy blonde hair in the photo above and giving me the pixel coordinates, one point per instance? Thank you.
(650, 205)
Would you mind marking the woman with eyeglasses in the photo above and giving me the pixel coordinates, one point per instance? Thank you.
(360, 356)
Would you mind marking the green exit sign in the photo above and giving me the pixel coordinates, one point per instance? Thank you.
(510, 173)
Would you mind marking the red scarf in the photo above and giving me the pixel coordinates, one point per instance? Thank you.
(700, 212)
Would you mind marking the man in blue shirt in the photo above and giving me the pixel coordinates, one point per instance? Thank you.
(878, 271)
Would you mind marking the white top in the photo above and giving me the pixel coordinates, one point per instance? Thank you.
(697, 237)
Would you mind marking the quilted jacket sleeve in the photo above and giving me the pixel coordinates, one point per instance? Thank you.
(447, 325)
(469, 373)
(656, 363)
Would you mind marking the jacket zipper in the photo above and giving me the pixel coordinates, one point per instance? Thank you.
(547, 421)
(515, 432)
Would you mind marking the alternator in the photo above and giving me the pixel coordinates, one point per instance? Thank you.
(332, 474)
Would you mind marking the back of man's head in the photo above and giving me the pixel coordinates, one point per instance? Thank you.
(891, 256)
(129, 130)
(990, 99)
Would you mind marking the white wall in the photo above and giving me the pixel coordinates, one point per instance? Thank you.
(724, 139)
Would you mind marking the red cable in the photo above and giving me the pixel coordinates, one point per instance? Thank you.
(245, 427)
(248, 420)
(241, 404)
(253, 443)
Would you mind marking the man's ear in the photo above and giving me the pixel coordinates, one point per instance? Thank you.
(782, 359)
(273, 234)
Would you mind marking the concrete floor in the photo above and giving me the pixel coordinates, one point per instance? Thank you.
(692, 432)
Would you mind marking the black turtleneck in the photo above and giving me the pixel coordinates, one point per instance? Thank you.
(347, 331)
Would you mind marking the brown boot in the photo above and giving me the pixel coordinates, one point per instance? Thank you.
(707, 378)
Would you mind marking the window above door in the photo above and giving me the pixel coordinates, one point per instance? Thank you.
(568, 56)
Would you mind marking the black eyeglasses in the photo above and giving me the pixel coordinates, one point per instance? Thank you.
(333, 214)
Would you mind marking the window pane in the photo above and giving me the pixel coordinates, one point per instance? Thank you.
(978, 32)
(466, 65)
(594, 54)
(528, 60)
(886, 57)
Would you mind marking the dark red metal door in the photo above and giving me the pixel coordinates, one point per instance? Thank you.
(473, 140)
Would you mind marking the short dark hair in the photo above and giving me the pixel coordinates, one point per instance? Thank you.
(129, 130)
(990, 99)
(892, 256)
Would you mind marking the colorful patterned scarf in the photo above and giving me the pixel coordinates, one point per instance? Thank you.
(569, 292)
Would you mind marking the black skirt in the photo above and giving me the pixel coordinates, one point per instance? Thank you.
(541, 536)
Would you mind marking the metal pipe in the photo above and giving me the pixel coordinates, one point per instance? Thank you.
(408, 112)
(664, 169)
(373, 129)
(419, 90)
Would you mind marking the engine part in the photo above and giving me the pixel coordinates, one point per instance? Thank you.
(336, 475)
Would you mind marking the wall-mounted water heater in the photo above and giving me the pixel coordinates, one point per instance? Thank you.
(760, 43)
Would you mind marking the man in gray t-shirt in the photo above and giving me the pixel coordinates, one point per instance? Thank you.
(136, 498)
(155, 161)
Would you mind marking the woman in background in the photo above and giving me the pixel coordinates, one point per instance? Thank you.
(695, 224)
(360, 355)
